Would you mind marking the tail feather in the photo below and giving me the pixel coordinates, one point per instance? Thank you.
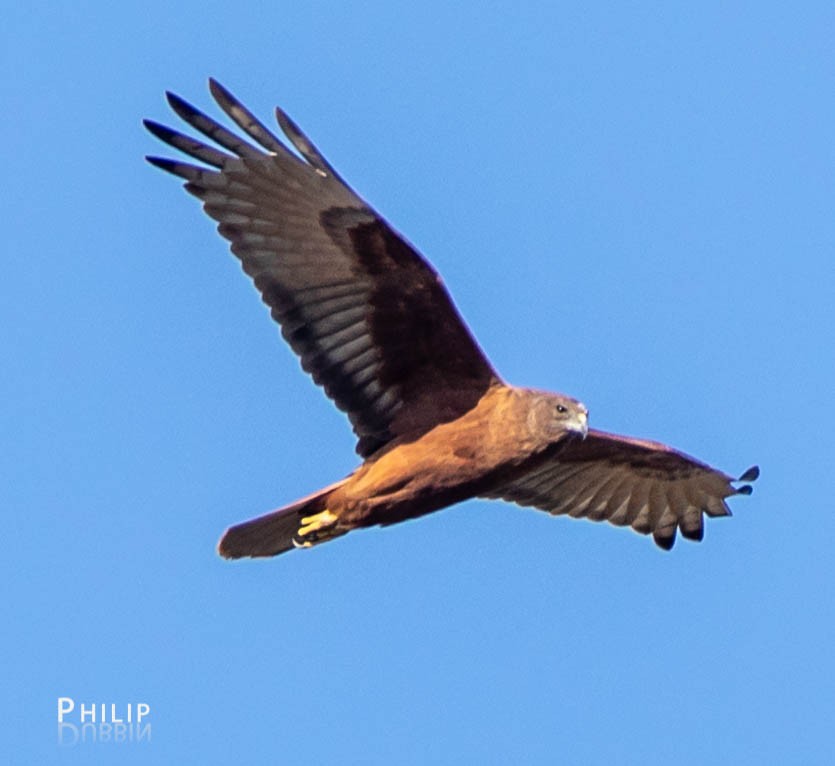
(274, 532)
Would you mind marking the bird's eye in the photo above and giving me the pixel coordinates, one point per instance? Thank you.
(561, 409)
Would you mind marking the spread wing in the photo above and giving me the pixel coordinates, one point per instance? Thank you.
(643, 484)
(369, 317)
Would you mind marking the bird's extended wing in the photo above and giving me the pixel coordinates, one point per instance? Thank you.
(643, 484)
(369, 317)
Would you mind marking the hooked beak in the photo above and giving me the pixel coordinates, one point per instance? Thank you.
(580, 424)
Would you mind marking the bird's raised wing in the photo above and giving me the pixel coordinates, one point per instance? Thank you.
(369, 317)
(643, 484)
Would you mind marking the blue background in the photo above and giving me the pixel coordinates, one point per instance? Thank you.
(630, 202)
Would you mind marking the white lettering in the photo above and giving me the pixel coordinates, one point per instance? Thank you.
(65, 705)
(93, 723)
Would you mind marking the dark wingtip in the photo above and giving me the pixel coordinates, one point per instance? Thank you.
(162, 132)
(696, 534)
(180, 105)
(195, 190)
(665, 541)
(288, 126)
(751, 474)
(161, 162)
(218, 91)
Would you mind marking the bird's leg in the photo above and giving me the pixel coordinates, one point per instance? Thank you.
(314, 529)
(316, 522)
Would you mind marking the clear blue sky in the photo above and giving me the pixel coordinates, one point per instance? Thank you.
(630, 203)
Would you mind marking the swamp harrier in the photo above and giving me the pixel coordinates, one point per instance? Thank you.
(375, 327)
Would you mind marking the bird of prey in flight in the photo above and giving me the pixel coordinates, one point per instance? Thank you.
(376, 328)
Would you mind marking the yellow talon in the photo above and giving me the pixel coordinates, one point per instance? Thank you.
(312, 524)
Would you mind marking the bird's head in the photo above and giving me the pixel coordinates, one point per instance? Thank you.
(553, 416)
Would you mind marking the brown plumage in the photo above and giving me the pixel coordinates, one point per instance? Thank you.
(375, 327)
